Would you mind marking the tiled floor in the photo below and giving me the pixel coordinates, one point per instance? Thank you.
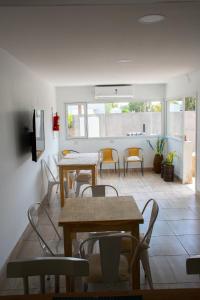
(176, 233)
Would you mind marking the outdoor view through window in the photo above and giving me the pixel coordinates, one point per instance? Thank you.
(116, 119)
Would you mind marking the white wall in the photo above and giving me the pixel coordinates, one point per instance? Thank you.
(20, 178)
(183, 86)
(86, 94)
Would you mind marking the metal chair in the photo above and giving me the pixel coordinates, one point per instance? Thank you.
(145, 241)
(109, 156)
(99, 190)
(79, 178)
(109, 266)
(82, 177)
(54, 247)
(41, 266)
(133, 155)
(52, 180)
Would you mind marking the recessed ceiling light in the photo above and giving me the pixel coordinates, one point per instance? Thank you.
(124, 61)
(149, 19)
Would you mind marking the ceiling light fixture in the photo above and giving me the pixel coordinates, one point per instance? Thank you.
(149, 19)
(124, 61)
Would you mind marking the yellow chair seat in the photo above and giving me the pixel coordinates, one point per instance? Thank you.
(133, 158)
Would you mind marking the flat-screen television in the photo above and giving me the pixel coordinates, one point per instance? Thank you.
(38, 134)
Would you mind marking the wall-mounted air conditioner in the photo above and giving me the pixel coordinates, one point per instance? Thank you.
(114, 91)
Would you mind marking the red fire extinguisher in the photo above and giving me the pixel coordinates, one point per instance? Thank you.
(56, 122)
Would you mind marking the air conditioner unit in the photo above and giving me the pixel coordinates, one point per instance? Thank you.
(114, 91)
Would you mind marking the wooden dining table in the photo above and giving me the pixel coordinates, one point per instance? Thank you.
(89, 214)
(77, 162)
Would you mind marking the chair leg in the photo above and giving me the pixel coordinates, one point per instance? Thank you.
(100, 168)
(144, 256)
(90, 247)
(66, 189)
(115, 168)
(124, 168)
(57, 189)
(118, 168)
(49, 190)
(142, 168)
(127, 167)
(78, 186)
(57, 283)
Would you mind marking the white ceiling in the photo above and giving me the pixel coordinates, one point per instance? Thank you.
(82, 44)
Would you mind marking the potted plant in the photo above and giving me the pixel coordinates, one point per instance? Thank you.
(168, 167)
(158, 158)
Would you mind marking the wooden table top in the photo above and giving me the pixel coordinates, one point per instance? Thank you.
(79, 159)
(99, 210)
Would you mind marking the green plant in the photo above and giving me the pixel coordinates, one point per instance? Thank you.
(69, 120)
(159, 147)
(170, 158)
(160, 143)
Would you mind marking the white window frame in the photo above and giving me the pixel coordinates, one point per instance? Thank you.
(85, 119)
(111, 101)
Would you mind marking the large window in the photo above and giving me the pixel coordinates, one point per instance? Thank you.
(116, 119)
(76, 120)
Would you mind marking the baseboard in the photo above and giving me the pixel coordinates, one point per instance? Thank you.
(122, 170)
(16, 250)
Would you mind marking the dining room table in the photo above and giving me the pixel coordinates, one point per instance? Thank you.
(77, 162)
(97, 214)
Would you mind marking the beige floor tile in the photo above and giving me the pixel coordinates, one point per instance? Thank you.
(183, 227)
(171, 270)
(30, 249)
(166, 245)
(177, 214)
(191, 243)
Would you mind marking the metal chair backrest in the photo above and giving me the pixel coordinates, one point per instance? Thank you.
(153, 217)
(41, 266)
(49, 174)
(110, 249)
(133, 151)
(33, 216)
(99, 190)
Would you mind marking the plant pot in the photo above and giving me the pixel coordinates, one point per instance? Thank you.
(157, 163)
(168, 172)
(162, 170)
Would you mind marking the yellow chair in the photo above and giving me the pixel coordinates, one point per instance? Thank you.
(109, 156)
(133, 155)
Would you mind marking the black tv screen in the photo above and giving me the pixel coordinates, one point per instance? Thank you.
(38, 137)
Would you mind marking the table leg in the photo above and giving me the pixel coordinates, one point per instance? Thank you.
(136, 267)
(94, 178)
(68, 252)
(62, 196)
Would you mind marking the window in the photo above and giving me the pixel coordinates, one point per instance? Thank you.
(76, 120)
(190, 104)
(175, 118)
(118, 119)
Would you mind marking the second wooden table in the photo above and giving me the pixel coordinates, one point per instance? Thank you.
(101, 214)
